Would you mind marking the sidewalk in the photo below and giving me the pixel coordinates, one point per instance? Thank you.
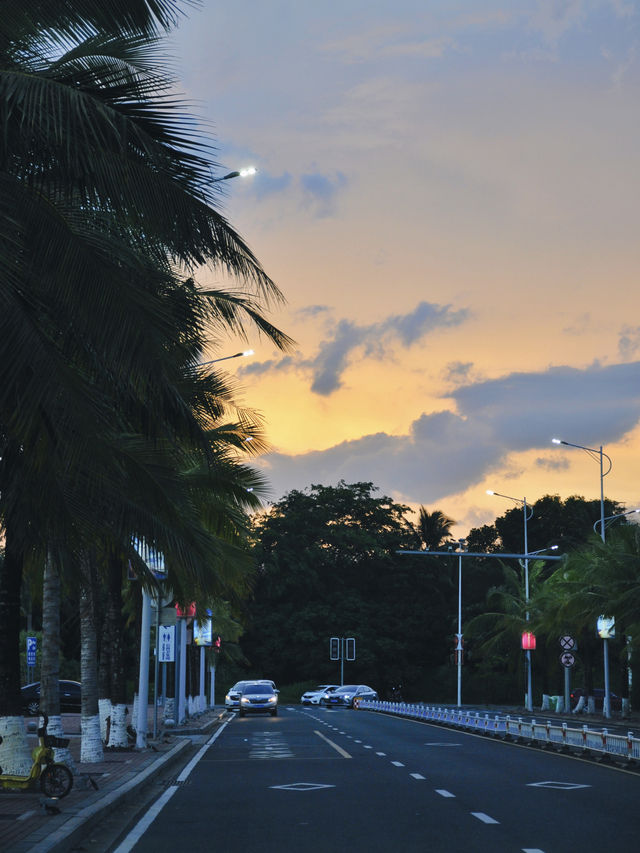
(25, 826)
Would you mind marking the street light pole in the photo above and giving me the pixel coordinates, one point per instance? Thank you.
(599, 455)
(527, 514)
(459, 650)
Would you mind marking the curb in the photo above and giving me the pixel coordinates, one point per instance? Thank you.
(73, 830)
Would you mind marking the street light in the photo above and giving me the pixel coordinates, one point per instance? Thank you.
(527, 514)
(612, 518)
(242, 173)
(245, 353)
(597, 455)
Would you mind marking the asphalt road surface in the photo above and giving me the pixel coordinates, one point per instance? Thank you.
(313, 779)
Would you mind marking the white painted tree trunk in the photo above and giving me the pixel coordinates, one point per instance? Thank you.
(91, 746)
(134, 713)
(118, 736)
(104, 709)
(15, 755)
(61, 754)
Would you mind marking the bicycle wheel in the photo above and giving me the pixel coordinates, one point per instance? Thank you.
(56, 780)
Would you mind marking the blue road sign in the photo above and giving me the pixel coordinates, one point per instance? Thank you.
(32, 645)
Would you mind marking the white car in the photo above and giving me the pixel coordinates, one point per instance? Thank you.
(314, 697)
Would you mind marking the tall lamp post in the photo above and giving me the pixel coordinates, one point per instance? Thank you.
(527, 514)
(459, 650)
(599, 455)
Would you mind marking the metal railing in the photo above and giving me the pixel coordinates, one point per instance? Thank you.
(561, 737)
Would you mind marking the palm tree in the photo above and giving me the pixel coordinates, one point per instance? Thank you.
(106, 197)
(433, 528)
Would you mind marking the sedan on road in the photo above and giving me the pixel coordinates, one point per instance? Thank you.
(343, 697)
(69, 697)
(258, 697)
(232, 699)
(316, 696)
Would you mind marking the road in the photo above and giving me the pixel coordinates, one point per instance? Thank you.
(318, 780)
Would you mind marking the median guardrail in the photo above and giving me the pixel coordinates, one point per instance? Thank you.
(588, 742)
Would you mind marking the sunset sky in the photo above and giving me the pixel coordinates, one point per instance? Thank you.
(448, 196)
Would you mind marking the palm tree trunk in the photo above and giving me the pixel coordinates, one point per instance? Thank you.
(118, 736)
(14, 748)
(50, 665)
(91, 746)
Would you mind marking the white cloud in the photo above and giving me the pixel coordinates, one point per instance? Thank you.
(445, 452)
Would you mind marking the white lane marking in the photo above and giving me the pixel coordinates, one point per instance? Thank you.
(484, 817)
(301, 786)
(561, 786)
(337, 748)
(358, 741)
(141, 827)
(532, 850)
(381, 753)
(444, 793)
(417, 775)
(397, 764)
(368, 747)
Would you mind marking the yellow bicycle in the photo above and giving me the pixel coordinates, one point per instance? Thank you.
(56, 780)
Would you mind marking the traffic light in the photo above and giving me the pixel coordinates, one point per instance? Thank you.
(334, 648)
(217, 643)
(351, 648)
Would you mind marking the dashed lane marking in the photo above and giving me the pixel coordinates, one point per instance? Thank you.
(397, 764)
(484, 817)
(444, 793)
(417, 775)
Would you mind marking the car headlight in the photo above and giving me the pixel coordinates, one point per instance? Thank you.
(227, 698)
(272, 699)
(244, 700)
(347, 696)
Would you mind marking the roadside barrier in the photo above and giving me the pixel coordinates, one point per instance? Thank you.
(601, 745)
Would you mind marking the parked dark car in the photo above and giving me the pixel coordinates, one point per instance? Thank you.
(598, 695)
(70, 692)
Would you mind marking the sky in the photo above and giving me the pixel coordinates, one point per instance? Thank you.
(448, 197)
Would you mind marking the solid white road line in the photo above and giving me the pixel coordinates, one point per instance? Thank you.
(141, 827)
(337, 748)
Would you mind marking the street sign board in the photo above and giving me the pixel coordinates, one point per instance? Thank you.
(32, 645)
(167, 643)
(567, 659)
(567, 643)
